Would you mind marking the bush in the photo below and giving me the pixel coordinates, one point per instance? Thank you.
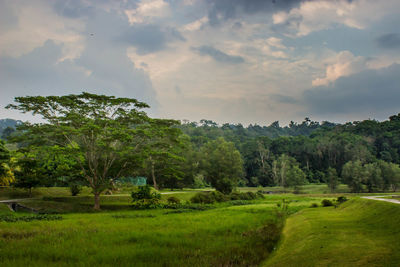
(260, 194)
(219, 197)
(224, 186)
(144, 192)
(75, 189)
(143, 198)
(215, 196)
(243, 196)
(314, 205)
(326, 203)
(147, 204)
(203, 198)
(341, 199)
(173, 200)
(29, 218)
(235, 196)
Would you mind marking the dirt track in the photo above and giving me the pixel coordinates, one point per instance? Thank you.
(380, 198)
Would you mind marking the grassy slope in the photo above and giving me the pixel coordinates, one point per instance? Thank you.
(360, 233)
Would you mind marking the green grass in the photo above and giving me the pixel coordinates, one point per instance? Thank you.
(227, 235)
(359, 233)
(218, 237)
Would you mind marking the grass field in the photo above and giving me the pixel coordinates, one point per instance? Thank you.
(226, 235)
(359, 233)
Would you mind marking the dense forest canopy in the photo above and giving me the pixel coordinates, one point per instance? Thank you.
(363, 154)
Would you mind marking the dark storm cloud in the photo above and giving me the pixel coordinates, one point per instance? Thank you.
(217, 55)
(376, 91)
(389, 41)
(150, 38)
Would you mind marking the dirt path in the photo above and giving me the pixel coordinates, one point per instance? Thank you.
(14, 200)
(381, 198)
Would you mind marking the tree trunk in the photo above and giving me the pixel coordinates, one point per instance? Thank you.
(96, 201)
(153, 176)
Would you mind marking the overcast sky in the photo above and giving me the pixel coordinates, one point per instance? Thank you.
(237, 61)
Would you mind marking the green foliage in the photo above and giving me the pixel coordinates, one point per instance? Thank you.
(215, 196)
(333, 179)
(75, 189)
(314, 205)
(286, 172)
(4, 156)
(173, 200)
(199, 181)
(145, 192)
(341, 199)
(326, 203)
(203, 198)
(29, 218)
(353, 175)
(223, 164)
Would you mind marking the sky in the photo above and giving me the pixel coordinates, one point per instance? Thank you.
(235, 61)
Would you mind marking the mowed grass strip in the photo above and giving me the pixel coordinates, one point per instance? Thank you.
(361, 232)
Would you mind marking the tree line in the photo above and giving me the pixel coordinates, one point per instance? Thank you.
(97, 140)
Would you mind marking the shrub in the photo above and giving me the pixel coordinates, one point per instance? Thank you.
(28, 218)
(341, 199)
(215, 196)
(144, 192)
(75, 189)
(173, 200)
(249, 196)
(147, 204)
(235, 196)
(143, 198)
(218, 196)
(260, 194)
(326, 203)
(314, 205)
(243, 196)
(203, 198)
(224, 186)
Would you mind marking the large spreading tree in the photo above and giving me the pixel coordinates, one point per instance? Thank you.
(103, 134)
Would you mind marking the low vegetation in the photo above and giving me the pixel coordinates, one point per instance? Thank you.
(358, 233)
(219, 234)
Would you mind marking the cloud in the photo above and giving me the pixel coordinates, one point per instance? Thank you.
(388, 41)
(345, 64)
(148, 10)
(150, 38)
(73, 8)
(311, 16)
(370, 92)
(40, 73)
(31, 23)
(102, 66)
(283, 99)
(8, 17)
(220, 10)
(218, 55)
